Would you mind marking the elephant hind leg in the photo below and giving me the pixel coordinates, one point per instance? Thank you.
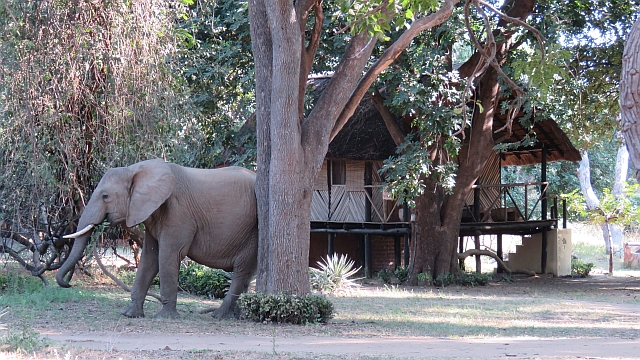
(239, 284)
(243, 270)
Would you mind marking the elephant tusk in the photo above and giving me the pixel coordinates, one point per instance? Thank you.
(79, 233)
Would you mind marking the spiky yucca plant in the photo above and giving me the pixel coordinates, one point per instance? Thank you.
(334, 274)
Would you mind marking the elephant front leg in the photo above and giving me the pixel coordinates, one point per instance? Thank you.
(169, 269)
(147, 271)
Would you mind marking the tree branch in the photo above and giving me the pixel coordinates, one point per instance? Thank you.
(394, 130)
(114, 278)
(387, 58)
(478, 252)
(308, 51)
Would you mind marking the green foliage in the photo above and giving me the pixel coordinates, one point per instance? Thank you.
(29, 291)
(377, 17)
(580, 269)
(194, 278)
(424, 278)
(397, 276)
(201, 280)
(284, 308)
(334, 274)
(612, 209)
(12, 283)
(27, 341)
(463, 279)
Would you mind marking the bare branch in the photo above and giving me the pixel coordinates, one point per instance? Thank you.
(478, 252)
(115, 279)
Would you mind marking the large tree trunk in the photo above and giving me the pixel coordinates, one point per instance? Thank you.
(291, 147)
(630, 95)
(435, 249)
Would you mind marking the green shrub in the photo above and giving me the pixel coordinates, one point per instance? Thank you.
(27, 341)
(580, 269)
(424, 278)
(128, 275)
(12, 283)
(463, 279)
(397, 276)
(385, 276)
(334, 274)
(283, 308)
(201, 280)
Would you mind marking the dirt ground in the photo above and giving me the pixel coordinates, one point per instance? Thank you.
(188, 345)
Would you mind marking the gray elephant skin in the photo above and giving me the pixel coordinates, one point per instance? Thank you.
(209, 215)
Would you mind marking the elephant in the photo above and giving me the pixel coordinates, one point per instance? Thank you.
(208, 215)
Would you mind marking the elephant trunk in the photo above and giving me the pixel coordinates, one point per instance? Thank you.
(66, 270)
(91, 215)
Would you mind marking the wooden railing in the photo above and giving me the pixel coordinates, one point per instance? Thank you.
(513, 202)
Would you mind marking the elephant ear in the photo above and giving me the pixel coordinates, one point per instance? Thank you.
(151, 185)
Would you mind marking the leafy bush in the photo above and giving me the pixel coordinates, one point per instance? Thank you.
(27, 341)
(201, 280)
(12, 283)
(127, 276)
(580, 269)
(284, 308)
(397, 276)
(463, 279)
(334, 274)
(425, 278)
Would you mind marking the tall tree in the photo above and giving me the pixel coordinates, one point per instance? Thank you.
(438, 209)
(630, 96)
(291, 144)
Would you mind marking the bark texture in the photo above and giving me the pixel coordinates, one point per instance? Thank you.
(438, 216)
(291, 147)
(630, 95)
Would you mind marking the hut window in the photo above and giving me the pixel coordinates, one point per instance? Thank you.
(338, 172)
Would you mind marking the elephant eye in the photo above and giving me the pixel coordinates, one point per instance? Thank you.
(105, 197)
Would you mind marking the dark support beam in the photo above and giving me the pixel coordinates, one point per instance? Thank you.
(330, 247)
(461, 250)
(406, 250)
(564, 213)
(543, 178)
(405, 218)
(499, 251)
(397, 252)
(367, 256)
(478, 262)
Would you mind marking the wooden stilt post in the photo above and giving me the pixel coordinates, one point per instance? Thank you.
(543, 178)
(499, 250)
(461, 250)
(478, 262)
(330, 246)
(396, 252)
(367, 256)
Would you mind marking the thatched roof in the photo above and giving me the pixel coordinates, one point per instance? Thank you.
(546, 132)
(365, 137)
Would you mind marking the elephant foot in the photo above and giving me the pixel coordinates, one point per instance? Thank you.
(225, 312)
(166, 313)
(132, 311)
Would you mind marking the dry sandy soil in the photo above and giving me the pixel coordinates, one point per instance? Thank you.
(146, 344)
